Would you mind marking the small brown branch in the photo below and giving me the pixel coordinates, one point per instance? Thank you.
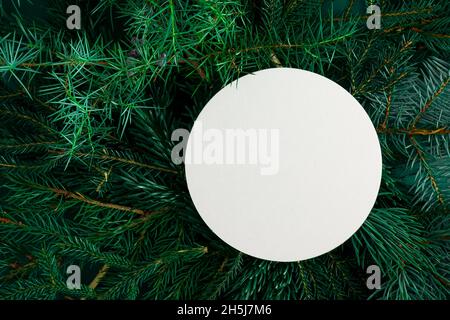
(222, 266)
(276, 46)
(127, 161)
(348, 9)
(434, 35)
(12, 95)
(8, 165)
(443, 238)
(27, 144)
(132, 162)
(69, 63)
(430, 102)
(21, 166)
(442, 280)
(389, 14)
(413, 132)
(417, 30)
(388, 108)
(80, 197)
(29, 118)
(427, 168)
(395, 81)
(103, 270)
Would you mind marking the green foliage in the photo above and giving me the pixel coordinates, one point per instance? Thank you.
(86, 176)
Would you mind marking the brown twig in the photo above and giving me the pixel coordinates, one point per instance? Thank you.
(118, 159)
(80, 197)
(430, 102)
(102, 272)
(427, 168)
(413, 132)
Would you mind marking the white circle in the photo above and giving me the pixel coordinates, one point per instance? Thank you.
(328, 173)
